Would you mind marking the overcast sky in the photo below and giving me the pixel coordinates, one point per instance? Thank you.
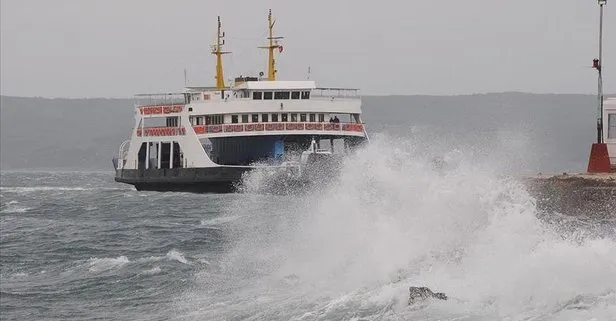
(115, 48)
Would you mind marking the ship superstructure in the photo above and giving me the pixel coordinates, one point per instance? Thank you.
(205, 138)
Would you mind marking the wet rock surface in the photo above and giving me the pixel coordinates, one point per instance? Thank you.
(419, 294)
(581, 195)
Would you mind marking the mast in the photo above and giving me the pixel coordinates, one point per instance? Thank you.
(273, 44)
(597, 64)
(217, 50)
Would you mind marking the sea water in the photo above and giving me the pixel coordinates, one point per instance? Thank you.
(78, 246)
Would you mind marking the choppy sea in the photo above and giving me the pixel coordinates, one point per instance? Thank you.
(78, 246)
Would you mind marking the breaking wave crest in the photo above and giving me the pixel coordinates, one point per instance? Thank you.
(103, 264)
(13, 207)
(96, 265)
(351, 248)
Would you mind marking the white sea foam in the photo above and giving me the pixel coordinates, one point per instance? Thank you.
(153, 271)
(20, 275)
(103, 264)
(13, 207)
(176, 256)
(218, 221)
(150, 259)
(390, 221)
(172, 255)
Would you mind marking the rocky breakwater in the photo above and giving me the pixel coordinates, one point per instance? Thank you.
(587, 195)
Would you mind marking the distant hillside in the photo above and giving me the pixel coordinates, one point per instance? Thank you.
(84, 134)
(62, 133)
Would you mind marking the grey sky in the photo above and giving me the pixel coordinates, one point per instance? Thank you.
(114, 48)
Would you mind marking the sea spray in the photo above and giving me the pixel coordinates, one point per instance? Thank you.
(352, 247)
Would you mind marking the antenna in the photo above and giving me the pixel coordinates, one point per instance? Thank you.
(185, 78)
(217, 50)
(308, 77)
(273, 44)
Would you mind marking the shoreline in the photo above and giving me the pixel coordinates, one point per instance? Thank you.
(575, 194)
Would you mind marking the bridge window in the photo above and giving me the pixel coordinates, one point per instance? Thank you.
(312, 118)
(255, 118)
(172, 121)
(267, 95)
(274, 118)
(264, 117)
(294, 117)
(321, 118)
(611, 126)
(257, 95)
(244, 118)
(285, 117)
(305, 95)
(234, 119)
(241, 94)
(214, 120)
(281, 95)
(295, 95)
(302, 117)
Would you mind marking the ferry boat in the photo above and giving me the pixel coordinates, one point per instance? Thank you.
(205, 139)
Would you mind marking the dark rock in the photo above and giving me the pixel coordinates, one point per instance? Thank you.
(418, 294)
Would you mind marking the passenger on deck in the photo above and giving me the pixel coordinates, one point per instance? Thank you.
(336, 120)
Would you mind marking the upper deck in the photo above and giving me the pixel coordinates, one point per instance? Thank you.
(252, 96)
(251, 105)
(253, 108)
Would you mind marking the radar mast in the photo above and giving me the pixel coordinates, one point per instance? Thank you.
(273, 44)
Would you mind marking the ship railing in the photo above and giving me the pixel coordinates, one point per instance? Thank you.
(153, 110)
(335, 93)
(279, 126)
(164, 99)
(161, 131)
(120, 161)
(207, 94)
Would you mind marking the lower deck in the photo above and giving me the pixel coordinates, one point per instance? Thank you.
(196, 180)
(272, 150)
(239, 151)
(212, 180)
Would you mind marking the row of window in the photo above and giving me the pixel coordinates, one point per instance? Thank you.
(268, 95)
(254, 118)
(172, 121)
(209, 120)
